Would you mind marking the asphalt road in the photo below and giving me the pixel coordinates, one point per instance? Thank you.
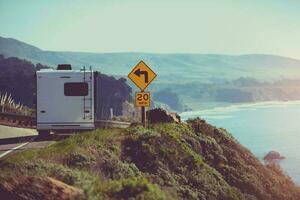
(14, 139)
(11, 132)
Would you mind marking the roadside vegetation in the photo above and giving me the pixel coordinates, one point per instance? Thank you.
(191, 160)
(8, 105)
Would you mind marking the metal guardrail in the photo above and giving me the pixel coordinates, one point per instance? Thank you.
(14, 119)
(16, 115)
(18, 120)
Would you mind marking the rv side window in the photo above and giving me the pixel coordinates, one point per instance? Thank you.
(76, 89)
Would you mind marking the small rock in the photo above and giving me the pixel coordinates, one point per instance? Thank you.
(273, 155)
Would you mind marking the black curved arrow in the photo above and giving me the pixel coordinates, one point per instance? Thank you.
(138, 72)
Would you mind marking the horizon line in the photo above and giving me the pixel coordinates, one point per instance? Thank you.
(159, 53)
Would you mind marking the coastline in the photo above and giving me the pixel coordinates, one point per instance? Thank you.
(261, 127)
(235, 107)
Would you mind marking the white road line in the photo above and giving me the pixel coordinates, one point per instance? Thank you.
(15, 148)
(11, 150)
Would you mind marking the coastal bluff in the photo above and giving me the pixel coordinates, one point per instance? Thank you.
(190, 160)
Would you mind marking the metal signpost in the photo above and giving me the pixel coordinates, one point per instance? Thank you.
(142, 76)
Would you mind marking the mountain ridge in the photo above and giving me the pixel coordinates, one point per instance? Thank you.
(150, 53)
(201, 66)
(197, 79)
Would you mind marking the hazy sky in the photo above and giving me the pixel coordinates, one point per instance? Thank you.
(163, 26)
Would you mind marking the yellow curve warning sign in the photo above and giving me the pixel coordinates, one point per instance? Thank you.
(142, 75)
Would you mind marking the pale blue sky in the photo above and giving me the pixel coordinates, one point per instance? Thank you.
(160, 26)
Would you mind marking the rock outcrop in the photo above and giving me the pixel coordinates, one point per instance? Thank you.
(159, 115)
(273, 156)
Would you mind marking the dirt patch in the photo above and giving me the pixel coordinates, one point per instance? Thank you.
(40, 188)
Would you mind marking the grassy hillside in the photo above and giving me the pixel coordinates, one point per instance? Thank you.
(165, 161)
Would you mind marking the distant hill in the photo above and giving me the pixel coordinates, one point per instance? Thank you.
(179, 68)
(13, 48)
(17, 79)
(196, 80)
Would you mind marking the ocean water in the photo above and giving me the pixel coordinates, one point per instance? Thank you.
(262, 127)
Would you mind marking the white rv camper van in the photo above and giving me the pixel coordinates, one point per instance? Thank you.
(65, 99)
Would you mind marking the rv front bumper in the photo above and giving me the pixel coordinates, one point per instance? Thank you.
(65, 126)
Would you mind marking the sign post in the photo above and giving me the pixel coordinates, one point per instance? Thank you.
(142, 76)
(143, 112)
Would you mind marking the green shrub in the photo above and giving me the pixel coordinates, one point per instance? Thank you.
(135, 188)
(78, 160)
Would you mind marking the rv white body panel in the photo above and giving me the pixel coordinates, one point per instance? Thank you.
(57, 106)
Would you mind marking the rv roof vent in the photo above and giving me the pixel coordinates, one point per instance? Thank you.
(64, 67)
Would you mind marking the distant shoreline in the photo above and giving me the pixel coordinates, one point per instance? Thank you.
(237, 106)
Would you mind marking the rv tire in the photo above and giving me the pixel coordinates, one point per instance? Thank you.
(44, 133)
